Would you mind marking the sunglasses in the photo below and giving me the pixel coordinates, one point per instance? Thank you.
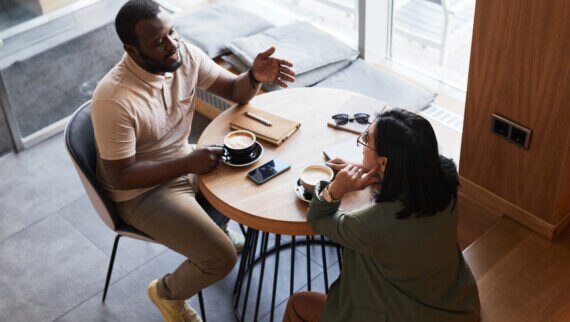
(341, 119)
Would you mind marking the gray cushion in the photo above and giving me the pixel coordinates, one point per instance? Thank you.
(382, 85)
(212, 27)
(301, 80)
(308, 48)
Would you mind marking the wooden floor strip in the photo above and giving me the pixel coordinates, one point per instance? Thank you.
(521, 275)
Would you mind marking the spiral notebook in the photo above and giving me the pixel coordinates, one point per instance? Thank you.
(280, 130)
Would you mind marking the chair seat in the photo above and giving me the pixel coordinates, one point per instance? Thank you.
(132, 232)
(381, 84)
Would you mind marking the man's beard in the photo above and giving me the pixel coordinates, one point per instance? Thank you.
(155, 67)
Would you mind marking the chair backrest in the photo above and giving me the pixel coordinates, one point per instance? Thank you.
(80, 144)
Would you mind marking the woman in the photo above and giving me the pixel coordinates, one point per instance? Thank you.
(401, 261)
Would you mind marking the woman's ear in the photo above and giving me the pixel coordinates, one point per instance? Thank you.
(382, 161)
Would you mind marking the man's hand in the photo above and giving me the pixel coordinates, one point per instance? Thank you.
(352, 178)
(205, 159)
(267, 69)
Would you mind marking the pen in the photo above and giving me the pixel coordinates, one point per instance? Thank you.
(258, 118)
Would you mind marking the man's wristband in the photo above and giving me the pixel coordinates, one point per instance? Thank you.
(254, 82)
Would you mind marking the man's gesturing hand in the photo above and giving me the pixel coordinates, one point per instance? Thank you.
(267, 69)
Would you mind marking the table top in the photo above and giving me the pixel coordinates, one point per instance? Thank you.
(274, 206)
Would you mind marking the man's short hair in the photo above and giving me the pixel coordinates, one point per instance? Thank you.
(130, 14)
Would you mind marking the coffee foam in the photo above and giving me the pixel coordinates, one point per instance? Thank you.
(313, 175)
(239, 140)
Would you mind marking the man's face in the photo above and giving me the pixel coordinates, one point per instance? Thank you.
(158, 45)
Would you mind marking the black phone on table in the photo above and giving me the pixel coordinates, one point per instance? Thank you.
(268, 170)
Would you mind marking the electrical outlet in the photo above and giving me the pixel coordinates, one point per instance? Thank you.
(501, 127)
(520, 135)
(511, 131)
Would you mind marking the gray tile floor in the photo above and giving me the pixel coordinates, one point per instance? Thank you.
(54, 252)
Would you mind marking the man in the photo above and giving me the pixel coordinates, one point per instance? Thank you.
(142, 112)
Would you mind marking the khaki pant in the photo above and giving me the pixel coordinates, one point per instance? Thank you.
(305, 307)
(171, 216)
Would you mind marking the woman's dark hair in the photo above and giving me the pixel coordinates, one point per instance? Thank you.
(130, 14)
(415, 173)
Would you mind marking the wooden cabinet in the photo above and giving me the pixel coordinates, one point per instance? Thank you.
(520, 69)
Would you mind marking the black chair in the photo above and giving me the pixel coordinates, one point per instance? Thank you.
(80, 144)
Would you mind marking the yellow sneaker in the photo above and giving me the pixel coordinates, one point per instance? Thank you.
(172, 311)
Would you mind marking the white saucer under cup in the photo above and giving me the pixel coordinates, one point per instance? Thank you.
(299, 191)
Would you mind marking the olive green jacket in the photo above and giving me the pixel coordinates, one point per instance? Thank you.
(396, 269)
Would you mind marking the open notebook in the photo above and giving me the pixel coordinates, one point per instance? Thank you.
(357, 104)
(346, 150)
(280, 130)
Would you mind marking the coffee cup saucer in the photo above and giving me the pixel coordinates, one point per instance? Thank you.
(301, 193)
(257, 152)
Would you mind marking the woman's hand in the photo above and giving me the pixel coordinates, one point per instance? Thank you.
(352, 178)
(338, 164)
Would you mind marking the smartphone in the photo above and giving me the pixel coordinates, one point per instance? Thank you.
(268, 170)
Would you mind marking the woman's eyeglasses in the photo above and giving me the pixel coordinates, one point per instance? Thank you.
(341, 119)
(362, 140)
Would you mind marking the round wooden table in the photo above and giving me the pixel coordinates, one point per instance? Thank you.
(273, 206)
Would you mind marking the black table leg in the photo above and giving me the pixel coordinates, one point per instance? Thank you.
(308, 241)
(264, 242)
(277, 250)
(243, 260)
(250, 272)
(292, 287)
(325, 268)
(250, 258)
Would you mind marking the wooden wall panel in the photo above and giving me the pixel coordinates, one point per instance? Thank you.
(520, 69)
(562, 210)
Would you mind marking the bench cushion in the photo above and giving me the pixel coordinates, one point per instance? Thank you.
(301, 80)
(382, 85)
(212, 27)
(307, 47)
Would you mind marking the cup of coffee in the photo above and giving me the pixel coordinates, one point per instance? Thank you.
(239, 146)
(313, 174)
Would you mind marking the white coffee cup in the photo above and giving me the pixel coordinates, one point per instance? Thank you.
(313, 174)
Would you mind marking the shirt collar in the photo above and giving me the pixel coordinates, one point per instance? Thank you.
(151, 79)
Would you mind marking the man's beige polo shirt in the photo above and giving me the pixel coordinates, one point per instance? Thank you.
(137, 113)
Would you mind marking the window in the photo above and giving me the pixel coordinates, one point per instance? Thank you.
(434, 37)
(338, 17)
(46, 64)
